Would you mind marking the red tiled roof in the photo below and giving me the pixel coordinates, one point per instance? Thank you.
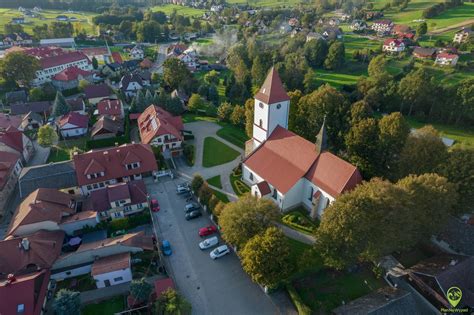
(71, 73)
(392, 40)
(264, 188)
(111, 263)
(75, 119)
(137, 239)
(44, 248)
(155, 121)
(8, 161)
(61, 59)
(44, 204)
(7, 120)
(27, 289)
(112, 161)
(109, 107)
(146, 63)
(446, 56)
(272, 90)
(107, 125)
(95, 51)
(13, 138)
(79, 216)
(101, 199)
(297, 157)
(98, 90)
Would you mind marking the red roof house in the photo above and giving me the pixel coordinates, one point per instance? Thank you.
(73, 125)
(72, 73)
(116, 57)
(159, 128)
(97, 168)
(110, 108)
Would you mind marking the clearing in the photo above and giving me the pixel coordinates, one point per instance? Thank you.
(217, 153)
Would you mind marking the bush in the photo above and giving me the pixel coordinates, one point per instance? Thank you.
(188, 137)
(188, 151)
(241, 187)
(302, 308)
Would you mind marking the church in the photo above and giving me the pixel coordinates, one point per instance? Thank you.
(286, 168)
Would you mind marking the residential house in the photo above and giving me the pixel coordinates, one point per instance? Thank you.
(18, 20)
(70, 77)
(434, 276)
(110, 108)
(399, 30)
(446, 59)
(42, 108)
(17, 39)
(10, 168)
(74, 224)
(159, 128)
(334, 22)
(6, 120)
(96, 93)
(382, 27)
(293, 22)
(146, 63)
(101, 54)
(77, 105)
(15, 141)
(73, 125)
(16, 97)
(312, 177)
(112, 69)
(24, 271)
(313, 36)
(112, 270)
(393, 45)
(457, 235)
(183, 97)
(130, 84)
(358, 25)
(47, 209)
(176, 50)
(190, 60)
(99, 168)
(463, 35)
(137, 52)
(386, 300)
(31, 121)
(107, 127)
(424, 52)
(331, 33)
(119, 200)
(131, 65)
(80, 262)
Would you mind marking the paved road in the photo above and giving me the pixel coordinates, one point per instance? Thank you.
(212, 287)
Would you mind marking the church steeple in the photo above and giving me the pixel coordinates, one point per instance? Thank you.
(322, 138)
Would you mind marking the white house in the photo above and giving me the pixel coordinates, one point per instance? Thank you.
(446, 59)
(382, 26)
(462, 35)
(130, 84)
(393, 45)
(137, 53)
(285, 167)
(73, 125)
(112, 270)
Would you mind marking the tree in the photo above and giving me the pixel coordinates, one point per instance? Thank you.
(377, 67)
(259, 70)
(265, 257)
(148, 98)
(196, 103)
(359, 111)
(95, 63)
(60, 105)
(175, 73)
(416, 91)
(140, 290)
(36, 94)
(213, 202)
(171, 303)
(335, 57)
(224, 111)
(464, 105)
(197, 183)
(422, 153)
(82, 84)
(47, 136)
(421, 29)
(67, 302)
(238, 115)
(249, 112)
(458, 168)
(295, 97)
(212, 77)
(140, 103)
(245, 218)
(205, 194)
(316, 52)
(19, 67)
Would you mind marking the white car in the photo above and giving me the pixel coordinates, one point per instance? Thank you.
(219, 252)
(209, 242)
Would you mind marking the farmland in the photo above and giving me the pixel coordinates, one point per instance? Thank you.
(82, 22)
(181, 10)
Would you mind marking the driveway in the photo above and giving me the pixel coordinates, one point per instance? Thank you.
(212, 287)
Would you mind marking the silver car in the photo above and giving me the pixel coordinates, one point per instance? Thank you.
(219, 252)
(209, 242)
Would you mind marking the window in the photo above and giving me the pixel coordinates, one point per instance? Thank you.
(278, 106)
(260, 105)
(89, 187)
(20, 308)
(310, 197)
(118, 279)
(275, 194)
(68, 273)
(260, 123)
(117, 204)
(95, 186)
(251, 176)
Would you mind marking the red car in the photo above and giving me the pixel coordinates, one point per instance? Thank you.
(208, 230)
(155, 206)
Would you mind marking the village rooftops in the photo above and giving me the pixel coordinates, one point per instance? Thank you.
(110, 107)
(75, 119)
(99, 90)
(7, 164)
(137, 239)
(272, 90)
(155, 121)
(111, 263)
(71, 73)
(13, 138)
(7, 120)
(101, 199)
(41, 107)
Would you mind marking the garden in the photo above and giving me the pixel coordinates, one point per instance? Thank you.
(108, 307)
(216, 182)
(217, 153)
(80, 283)
(145, 264)
(238, 185)
(299, 220)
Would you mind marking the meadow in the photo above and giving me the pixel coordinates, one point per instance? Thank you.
(83, 22)
(181, 10)
(267, 3)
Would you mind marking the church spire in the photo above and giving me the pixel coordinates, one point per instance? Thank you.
(272, 90)
(322, 138)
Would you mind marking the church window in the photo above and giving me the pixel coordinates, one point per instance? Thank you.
(278, 106)
(260, 123)
(260, 105)
(310, 197)
(274, 196)
(251, 176)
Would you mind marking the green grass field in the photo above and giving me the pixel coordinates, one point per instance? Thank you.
(338, 79)
(109, 307)
(83, 23)
(181, 10)
(267, 3)
(217, 153)
(215, 181)
(233, 134)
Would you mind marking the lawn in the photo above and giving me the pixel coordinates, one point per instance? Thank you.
(189, 117)
(233, 134)
(217, 153)
(462, 135)
(145, 268)
(83, 22)
(338, 79)
(215, 181)
(109, 307)
(354, 42)
(181, 10)
(304, 258)
(327, 289)
(61, 151)
(266, 3)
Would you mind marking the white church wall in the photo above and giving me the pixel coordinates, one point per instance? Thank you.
(278, 115)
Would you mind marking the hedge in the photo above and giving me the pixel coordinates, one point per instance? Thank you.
(302, 308)
(188, 137)
(126, 223)
(241, 187)
(188, 152)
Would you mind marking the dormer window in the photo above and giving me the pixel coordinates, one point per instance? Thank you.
(95, 175)
(132, 166)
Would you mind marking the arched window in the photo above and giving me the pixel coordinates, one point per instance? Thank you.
(260, 105)
(260, 123)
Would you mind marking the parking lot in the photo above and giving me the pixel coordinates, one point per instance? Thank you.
(212, 286)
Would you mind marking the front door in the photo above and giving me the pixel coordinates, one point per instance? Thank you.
(107, 283)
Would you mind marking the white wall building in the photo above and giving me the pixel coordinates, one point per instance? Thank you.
(112, 270)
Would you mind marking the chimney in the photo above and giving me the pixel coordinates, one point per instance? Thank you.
(453, 262)
(25, 244)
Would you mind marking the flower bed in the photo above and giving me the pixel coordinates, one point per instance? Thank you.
(299, 221)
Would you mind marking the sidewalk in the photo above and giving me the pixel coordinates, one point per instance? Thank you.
(88, 297)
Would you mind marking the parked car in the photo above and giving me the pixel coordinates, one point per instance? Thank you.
(208, 230)
(219, 252)
(193, 215)
(155, 206)
(185, 184)
(187, 195)
(118, 233)
(182, 189)
(191, 206)
(166, 248)
(209, 242)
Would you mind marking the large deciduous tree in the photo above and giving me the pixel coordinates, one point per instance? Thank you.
(171, 303)
(315, 52)
(47, 136)
(249, 112)
(335, 57)
(175, 73)
(265, 257)
(19, 67)
(245, 218)
(67, 302)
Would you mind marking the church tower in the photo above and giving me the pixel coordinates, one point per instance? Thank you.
(322, 138)
(272, 106)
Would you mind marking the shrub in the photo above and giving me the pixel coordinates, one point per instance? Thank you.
(302, 308)
(241, 187)
(188, 151)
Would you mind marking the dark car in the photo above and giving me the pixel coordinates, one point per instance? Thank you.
(193, 215)
(191, 207)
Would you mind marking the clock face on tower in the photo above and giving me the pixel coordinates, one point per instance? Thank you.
(278, 106)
